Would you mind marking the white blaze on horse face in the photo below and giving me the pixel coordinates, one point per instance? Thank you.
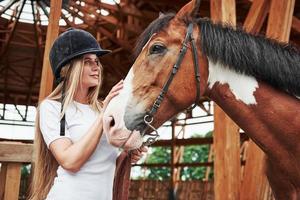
(118, 134)
(242, 86)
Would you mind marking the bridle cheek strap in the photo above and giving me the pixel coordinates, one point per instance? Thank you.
(196, 70)
(148, 118)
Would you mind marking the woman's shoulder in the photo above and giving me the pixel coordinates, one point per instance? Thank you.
(49, 104)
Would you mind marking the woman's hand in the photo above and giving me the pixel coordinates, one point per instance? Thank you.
(138, 153)
(115, 90)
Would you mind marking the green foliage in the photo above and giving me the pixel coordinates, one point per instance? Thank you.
(159, 173)
(159, 155)
(25, 170)
(192, 154)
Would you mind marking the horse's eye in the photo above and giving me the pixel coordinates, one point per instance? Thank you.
(157, 49)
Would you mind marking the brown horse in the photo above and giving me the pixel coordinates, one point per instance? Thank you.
(255, 80)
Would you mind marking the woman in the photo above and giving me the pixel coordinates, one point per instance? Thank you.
(73, 159)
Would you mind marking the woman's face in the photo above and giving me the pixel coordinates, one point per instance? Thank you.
(91, 71)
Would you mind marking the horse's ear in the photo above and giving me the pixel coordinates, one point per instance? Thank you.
(191, 9)
(161, 15)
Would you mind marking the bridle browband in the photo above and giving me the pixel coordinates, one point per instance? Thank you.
(148, 118)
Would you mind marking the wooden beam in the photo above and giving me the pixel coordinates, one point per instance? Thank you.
(122, 43)
(254, 178)
(105, 32)
(280, 20)
(37, 60)
(256, 15)
(227, 165)
(227, 157)
(128, 10)
(14, 25)
(18, 75)
(183, 142)
(46, 3)
(5, 88)
(2, 179)
(19, 91)
(21, 44)
(296, 24)
(27, 38)
(6, 7)
(52, 33)
(172, 164)
(111, 19)
(204, 164)
(20, 59)
(210, 158)
(223, 11)
(255, 184)
(15, 152)
(43, 5)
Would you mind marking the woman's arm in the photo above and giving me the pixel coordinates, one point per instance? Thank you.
(71, 156)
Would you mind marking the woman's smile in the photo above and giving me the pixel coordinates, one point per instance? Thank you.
(96, 76)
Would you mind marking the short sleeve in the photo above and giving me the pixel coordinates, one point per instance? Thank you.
(50, 121)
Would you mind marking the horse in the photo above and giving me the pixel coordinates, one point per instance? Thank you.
(255, 80)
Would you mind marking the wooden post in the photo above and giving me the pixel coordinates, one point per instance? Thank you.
(254, 180)
(12, 182)
(172, 181)
(255, 183)
(227, 165)
(2, 179)
(256, 15)
(52, 33)
(280, 20)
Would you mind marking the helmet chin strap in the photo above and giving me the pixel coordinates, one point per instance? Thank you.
(62, 100)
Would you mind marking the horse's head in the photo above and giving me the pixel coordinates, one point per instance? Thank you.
(161, 46)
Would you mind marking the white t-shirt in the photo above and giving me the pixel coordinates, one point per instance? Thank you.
(94, 181)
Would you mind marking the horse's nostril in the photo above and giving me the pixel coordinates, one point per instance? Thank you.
(112, 122)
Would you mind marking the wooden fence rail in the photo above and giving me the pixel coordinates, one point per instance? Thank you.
(12, 156)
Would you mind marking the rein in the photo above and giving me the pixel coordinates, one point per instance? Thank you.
(148, 118)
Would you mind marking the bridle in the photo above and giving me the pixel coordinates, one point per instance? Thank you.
(148, 118)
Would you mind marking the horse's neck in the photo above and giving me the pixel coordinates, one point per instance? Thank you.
(270, 117)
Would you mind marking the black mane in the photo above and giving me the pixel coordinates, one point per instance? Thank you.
(275, 63)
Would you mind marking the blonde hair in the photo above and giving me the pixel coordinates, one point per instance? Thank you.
(44, 163)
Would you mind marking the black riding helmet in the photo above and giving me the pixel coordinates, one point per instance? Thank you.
(69, 45)
(72, 44)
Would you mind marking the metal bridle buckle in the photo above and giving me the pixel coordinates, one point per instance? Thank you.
(148, 119)
(153, 137)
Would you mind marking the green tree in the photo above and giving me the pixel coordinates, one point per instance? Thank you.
(159, 155)
(192, 154)
(195, 154)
